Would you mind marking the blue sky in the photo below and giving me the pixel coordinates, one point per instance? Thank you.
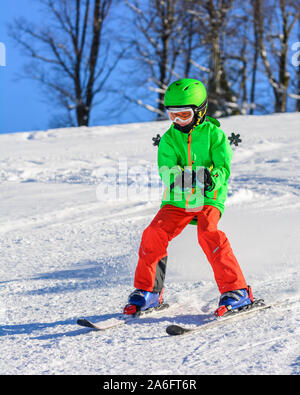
(21, 108)
(23, 105)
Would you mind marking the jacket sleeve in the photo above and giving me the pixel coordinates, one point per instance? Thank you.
(167, 162)
(221, 154)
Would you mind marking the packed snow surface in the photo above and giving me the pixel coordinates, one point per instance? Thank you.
(74, 203)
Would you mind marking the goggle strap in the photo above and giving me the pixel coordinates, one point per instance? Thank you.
(202, 115)
(203, 106)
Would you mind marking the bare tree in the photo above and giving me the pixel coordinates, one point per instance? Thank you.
(242, 54)
(298, 72)
(190, 38)
(216, 17)
(255, 18)
(212, 17)
(157, 42)
(274, 30)
(65, 52)
(236, 52)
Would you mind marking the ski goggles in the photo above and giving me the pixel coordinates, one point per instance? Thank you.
(181, 116)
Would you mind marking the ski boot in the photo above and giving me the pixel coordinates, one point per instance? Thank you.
(140, 300)
(234, 301)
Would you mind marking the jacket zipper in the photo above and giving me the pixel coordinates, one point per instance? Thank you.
(190, 166)
(189, 150)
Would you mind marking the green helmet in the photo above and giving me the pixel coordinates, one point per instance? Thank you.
(186, 92)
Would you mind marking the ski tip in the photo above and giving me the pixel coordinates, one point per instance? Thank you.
(175, 330)
(84, 322)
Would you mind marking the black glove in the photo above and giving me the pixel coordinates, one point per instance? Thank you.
(189, 178)
(186, 180)
(204, 180)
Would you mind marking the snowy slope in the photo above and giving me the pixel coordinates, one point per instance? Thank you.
(66, 251)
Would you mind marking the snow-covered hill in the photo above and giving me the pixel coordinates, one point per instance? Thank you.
(69, 242)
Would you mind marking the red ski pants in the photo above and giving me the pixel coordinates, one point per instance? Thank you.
(169, 223)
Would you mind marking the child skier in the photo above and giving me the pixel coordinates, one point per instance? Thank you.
(194, 158)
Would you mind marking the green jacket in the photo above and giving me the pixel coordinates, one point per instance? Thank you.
(206, 145)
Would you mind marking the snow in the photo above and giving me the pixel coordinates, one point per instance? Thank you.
(69, 242)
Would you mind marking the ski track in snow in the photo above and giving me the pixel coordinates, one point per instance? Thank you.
(65, 254)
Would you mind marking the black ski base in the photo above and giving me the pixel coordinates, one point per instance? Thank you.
(258, 304)
(86, 323)
(123, 319)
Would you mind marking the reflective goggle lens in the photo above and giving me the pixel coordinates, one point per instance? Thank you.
(183, 114)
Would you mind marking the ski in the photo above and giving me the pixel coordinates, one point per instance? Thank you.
(257, 305)
(121, 320)
(102, 326)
